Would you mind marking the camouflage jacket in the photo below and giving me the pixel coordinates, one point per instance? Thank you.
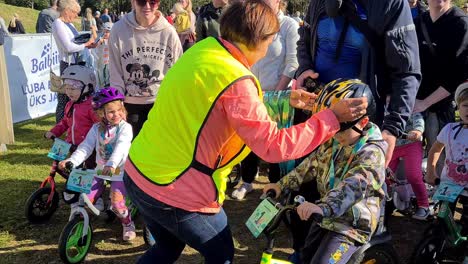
(352, 206)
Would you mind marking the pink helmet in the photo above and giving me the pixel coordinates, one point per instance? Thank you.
(106, 95)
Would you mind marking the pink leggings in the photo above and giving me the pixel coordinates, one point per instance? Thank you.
(412, 154)
(117, 195)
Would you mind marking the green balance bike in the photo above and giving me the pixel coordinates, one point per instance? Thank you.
(379, 250)
(443, 241)
(76, 237)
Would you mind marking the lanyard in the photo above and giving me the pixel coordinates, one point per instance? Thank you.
(357, 147)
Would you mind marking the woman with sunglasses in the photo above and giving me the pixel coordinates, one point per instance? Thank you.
(142, 48)
(209, 108)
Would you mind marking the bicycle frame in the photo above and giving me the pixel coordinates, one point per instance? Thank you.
(84, 200)
(454, 236)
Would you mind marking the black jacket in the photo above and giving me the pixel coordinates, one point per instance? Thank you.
(448, 67)
(390, 69)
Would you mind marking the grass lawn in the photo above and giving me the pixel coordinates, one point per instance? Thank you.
(28, 16)
(25, 165)
(22, 169)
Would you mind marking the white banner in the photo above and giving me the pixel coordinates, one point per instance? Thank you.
(28, 59)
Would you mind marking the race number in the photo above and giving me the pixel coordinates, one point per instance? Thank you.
(448, 191)
(80, 180)
(59, 150)
(261, 217)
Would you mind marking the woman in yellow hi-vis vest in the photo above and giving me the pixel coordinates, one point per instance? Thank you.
(207, 115)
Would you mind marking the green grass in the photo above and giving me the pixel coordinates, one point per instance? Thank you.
(22, 168)
(28, 16)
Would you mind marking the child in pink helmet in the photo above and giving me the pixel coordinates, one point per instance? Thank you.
(111, 138)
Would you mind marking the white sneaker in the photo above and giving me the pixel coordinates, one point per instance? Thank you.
(240, 192)
(128, 231)
(99, 204)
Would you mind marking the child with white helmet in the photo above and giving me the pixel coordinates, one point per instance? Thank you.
(101, 54)
(79, 83)
(111, 139)
(454, 139)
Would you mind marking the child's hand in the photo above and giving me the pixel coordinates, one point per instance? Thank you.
(108, 170)
(49, 135)
(414, 135)
(63, 164)
(272, 186)
(431, 177)
(306, 209)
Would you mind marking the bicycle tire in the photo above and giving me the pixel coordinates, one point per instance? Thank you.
(381, 254)
(70, 241)
(429, 250)
(37, 209)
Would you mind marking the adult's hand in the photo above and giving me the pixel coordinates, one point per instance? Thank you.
(391, 141)
(302, 99)
(303, 76)
(349, 109)
(306, 209)
(91, 43)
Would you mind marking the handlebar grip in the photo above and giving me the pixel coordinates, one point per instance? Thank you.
(316, 218)
(270, 193)
(69, 166)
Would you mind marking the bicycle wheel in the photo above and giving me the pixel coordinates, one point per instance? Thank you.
(429, 250)
(37, 208)
(148, 237)
(73, 248)
(380, 254)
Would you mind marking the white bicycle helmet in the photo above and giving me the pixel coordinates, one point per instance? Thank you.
(460, 89)
(83, 74)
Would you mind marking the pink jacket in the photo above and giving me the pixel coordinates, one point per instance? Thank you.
(239, 110)
(78, 124)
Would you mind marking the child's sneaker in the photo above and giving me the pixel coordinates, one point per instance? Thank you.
(99, 204)
(128, 231)
(421, 213)
(240, 192)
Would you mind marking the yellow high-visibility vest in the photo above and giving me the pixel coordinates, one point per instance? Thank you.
(166, 146)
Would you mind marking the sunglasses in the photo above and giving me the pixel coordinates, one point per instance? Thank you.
(72, 88)
(151, 2)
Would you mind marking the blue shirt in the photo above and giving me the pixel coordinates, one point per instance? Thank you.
(348, 64)
(415, 12)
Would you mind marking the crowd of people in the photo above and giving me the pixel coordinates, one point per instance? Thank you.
(176, 101)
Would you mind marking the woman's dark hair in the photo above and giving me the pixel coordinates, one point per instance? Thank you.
(249, 23)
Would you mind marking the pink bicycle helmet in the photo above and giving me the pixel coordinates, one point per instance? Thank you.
(106, 95)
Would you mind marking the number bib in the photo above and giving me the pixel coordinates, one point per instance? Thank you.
(59, 150)
(80, 180)
(448, 191)
(261, 217)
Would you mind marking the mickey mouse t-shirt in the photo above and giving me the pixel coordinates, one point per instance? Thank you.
(455, 139)
(141, 56)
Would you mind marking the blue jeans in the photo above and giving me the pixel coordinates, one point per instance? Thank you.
(173, 228)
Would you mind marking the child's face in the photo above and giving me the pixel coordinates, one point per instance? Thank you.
(463, 110)
(106, 34)
(114, 112)
(73, 89)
